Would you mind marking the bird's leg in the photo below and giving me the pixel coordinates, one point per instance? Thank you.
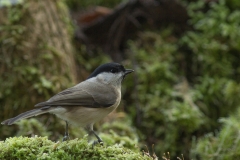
(99, 139)
(90, 130)
(66, 135)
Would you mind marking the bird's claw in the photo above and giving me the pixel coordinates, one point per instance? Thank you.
(66, 137)
(97, 142)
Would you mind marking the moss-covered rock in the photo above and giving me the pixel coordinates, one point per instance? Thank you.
(42, 148)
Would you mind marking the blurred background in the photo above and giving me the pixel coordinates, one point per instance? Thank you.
(182, 99)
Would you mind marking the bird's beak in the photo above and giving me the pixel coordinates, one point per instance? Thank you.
(128, 71)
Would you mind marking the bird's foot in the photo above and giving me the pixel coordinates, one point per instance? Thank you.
(66, 137)
(97, 142)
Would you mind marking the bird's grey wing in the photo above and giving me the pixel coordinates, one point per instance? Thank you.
(84, 94)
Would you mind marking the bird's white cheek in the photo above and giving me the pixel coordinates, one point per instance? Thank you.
(110, 78)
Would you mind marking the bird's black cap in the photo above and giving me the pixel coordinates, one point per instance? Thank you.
(108, 67)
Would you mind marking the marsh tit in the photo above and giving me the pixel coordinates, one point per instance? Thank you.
(85, 103)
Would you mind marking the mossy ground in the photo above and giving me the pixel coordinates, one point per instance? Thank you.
(43, 148)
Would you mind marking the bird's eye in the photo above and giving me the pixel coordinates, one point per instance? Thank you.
(113, 70)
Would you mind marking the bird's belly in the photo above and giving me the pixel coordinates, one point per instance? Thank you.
(82, 116)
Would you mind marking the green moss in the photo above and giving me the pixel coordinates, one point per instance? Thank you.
(42, 148)
(184, 84)
(112, 138)
(222, 145)
(32, 126)
(167, 100)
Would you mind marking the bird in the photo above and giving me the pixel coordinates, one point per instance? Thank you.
(85, 103)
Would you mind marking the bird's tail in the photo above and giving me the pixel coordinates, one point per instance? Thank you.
(28, 114)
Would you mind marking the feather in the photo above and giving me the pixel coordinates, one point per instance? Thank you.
(28, 114)
(79, 95)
